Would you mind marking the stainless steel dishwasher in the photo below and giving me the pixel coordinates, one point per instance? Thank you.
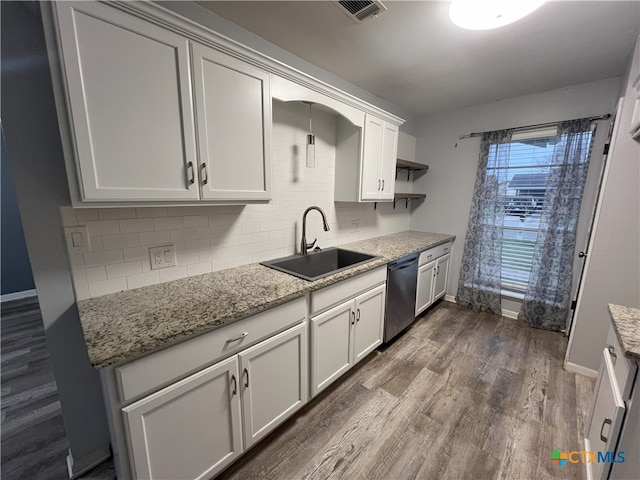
(402, 276)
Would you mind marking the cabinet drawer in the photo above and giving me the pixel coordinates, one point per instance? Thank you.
(335, 294)
(433, 253)
(149, 373)
(624, 368)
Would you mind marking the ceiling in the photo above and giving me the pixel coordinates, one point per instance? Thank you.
(413, 56)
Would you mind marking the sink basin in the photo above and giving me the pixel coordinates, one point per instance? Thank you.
(320, 264)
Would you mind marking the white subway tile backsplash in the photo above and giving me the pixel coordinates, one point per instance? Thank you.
(167, 223)
(105, 287)
(155, 238)
(173, 273)
(215, 237)
(136, 253)
(198, 245)
(149, 212)
(196, 221)
(102, 227)
(87, 214)
(95, 274)
(123, 269)
(108, 257)
(116, 213)
(143, 279)
(122, 240)
(199, 268)
(136, 225)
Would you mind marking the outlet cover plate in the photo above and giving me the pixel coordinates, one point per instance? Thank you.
(162, 257)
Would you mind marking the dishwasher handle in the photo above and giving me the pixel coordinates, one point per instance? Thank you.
(403, 263)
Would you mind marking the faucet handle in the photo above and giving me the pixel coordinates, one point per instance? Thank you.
(309, 246)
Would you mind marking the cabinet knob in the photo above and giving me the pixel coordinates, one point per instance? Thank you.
(582, 255)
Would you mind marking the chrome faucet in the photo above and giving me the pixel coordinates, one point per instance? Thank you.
(304, 246)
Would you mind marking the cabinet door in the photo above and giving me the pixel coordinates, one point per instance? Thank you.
(442, 274)
(130, 105)
(424, 296)
(331, 333)
(233, 108)
(371, 182)
(274, 381)
(190, 429)
(388, 161)
(607, 412)
(369, 327)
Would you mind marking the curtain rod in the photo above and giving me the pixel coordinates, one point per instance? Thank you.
(539, 125)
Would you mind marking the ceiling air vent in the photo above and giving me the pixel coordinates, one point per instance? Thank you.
(362, 10)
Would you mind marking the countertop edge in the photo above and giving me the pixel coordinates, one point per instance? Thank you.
(619, 316)
(134, 353)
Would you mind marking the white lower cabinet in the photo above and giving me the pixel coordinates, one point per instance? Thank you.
(433, 275)
(344, 335)
(424, 292)
(274, 382)
(194, 428)
(442, 275)
(191, 429)
(607, 413)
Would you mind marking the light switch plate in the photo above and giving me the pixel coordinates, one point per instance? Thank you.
(162, 257)
(78, 238)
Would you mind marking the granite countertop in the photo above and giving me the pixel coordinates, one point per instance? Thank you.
(626, 323)
(125, 325)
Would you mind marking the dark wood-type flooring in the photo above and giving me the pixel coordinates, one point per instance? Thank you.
(459, 396)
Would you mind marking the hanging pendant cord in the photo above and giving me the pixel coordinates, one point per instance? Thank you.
(539, 125)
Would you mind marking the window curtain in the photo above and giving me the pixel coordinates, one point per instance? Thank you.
(548, 296)
(479, 283)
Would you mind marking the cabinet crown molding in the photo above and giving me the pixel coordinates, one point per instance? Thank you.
(189, 28)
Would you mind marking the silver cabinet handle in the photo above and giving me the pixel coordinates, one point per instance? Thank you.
(192, 177)
(358, 316)
(438, 270)
(239, 337)
(235, 385)
(383, 185)
(205, 174)
(353, 318)
(378, 184)
(246, 374)
(446, 249)
(429, 257)
(612, 351)
(607, 421)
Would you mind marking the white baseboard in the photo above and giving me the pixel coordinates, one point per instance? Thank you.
(510, 314)
(75, 468)
(575, 368)
(450, 298)
(7, 297)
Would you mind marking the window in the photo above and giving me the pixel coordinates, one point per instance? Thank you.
(522, 170)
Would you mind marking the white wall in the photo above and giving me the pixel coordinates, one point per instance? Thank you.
(210, 238)
(613, 269)
(453, 163)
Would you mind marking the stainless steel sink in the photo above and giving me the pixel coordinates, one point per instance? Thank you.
(320, 264)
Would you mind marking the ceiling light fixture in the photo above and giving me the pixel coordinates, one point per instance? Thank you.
(486, 14)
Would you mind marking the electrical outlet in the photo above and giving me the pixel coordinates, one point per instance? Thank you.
(355, 226)
(162, 257)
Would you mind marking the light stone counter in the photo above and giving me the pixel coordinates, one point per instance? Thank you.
(626, 323)
(122, 326)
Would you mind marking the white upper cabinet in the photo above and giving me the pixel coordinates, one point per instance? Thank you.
(130, 105)
(132, 113)
(233, 108)
(366, 160)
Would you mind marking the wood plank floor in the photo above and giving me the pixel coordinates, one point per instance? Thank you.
(34, 443)
(459, 396)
